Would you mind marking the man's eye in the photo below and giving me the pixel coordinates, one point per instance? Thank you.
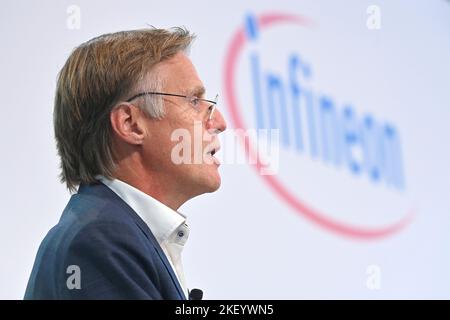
(195, 102)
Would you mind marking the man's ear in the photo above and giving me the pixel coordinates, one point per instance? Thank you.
(127, 122)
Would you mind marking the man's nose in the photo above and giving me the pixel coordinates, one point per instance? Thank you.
(217, 123)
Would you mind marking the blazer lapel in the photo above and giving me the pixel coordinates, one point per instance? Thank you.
(143, 226)
(104, 191)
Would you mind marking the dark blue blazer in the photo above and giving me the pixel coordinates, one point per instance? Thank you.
(116, 253)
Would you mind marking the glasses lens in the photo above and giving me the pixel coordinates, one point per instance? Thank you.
(213, 107)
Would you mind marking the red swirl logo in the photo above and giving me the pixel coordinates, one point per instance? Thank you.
(235, 49)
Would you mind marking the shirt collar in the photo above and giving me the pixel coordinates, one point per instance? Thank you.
(164, 222)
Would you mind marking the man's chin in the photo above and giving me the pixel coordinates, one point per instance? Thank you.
(206, 180)
(213, 182)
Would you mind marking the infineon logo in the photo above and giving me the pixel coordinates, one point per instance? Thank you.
(330, 142)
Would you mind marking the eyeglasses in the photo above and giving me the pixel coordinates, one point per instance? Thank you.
(192, 100)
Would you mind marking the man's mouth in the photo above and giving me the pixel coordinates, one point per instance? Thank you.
(212, 152)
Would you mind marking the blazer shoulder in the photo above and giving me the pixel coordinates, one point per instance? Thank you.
(103, 237)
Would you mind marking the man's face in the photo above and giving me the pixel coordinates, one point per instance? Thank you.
(185, 133)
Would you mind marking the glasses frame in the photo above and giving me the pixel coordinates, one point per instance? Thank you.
(212, 107)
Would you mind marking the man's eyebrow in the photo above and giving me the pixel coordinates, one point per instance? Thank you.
(198, 91)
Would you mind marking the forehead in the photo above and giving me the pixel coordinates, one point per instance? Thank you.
(180, 76)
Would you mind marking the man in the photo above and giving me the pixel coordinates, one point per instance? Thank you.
(126, 105)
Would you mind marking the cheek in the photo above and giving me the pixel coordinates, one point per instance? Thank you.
(185, 132)
(157, 147)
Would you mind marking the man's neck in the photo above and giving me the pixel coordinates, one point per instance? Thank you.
(154, 186)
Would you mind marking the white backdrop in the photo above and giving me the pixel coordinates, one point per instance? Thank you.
(247, 240)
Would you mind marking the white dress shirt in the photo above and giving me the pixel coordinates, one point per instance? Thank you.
(168, 226)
